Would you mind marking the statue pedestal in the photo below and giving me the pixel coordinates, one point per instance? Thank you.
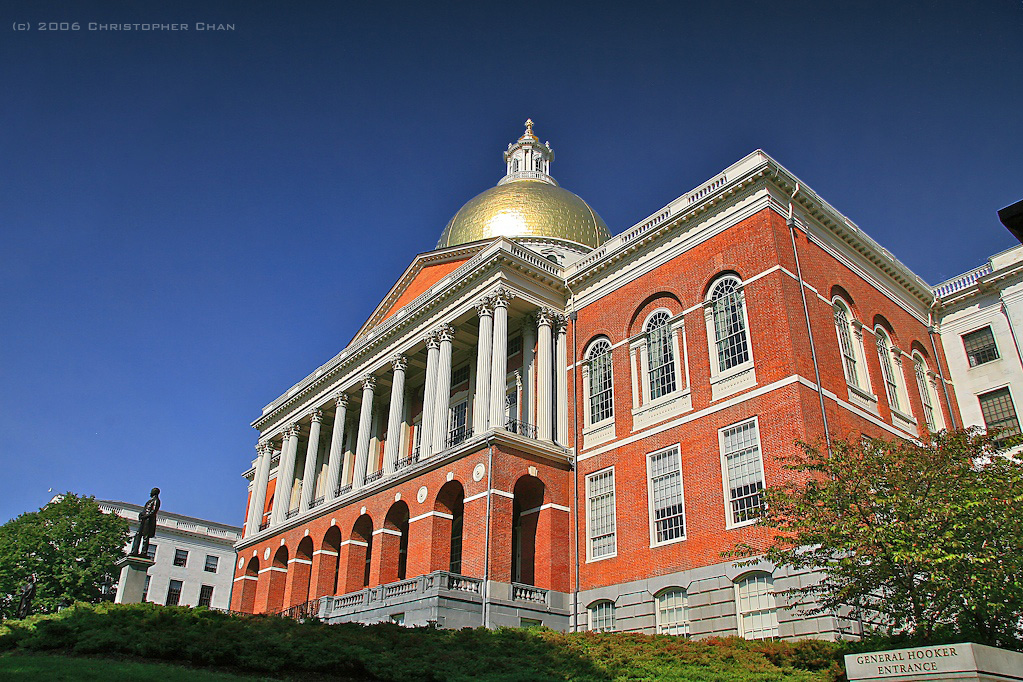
(132, 584)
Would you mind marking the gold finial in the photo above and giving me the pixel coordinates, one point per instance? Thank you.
(529, 127)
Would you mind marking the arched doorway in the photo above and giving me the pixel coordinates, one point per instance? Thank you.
(299, 572)
(326, 577)
(278, 581)
(360, 553)
(450, 502)
(247, 603)
(528, 492)
(394, 544)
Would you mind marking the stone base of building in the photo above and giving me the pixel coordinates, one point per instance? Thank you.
(712, 607)
(452, 601)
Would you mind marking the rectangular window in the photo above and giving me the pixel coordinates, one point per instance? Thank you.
(672, 613)
(980, 346)
(180, 557)
(457, 431)
(999, 412)
(514, 345)
(666, 503)
(460, 376)
(740, 449)
(151, 551)
(205, 595)
(211, 563)
(925, 392)
(145, 588)
(600, 508)
(530, 622)
(174, 592)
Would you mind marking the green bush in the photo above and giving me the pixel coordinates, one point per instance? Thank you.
(275, 646)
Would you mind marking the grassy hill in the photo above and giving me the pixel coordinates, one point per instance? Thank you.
(276, 648)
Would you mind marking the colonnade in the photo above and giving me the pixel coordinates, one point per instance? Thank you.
(545, 329)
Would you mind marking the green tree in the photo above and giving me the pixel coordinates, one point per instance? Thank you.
(69, 544)
(925, 538)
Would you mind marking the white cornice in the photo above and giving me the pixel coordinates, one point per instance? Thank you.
(500, 254)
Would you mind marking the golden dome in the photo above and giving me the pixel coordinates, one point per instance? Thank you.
(526, 208)
(527, 202)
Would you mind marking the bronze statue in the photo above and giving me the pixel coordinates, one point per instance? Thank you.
(28, 593)
(147, 524)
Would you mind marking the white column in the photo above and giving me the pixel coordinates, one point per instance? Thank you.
(259, 481)
(395, 411)
(285, 475)
(348, 456)
(337, 446)
(445, 334)
(309, 471)
(499, 361)
(544, 320)
(369, 384)
(561, 379)
(528, 369)
(481, 397)
(429, 397)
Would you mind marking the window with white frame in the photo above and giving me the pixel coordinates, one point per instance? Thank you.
(673, 612)
(731, 340)
(599, 365)
(744, 471)
(660, 355)
(667, 507)
(845, 343)
(602, 616)
(758, 611)
(884, 354)
(980, 346)
(600, 514)
(926, 395)
(205, 595)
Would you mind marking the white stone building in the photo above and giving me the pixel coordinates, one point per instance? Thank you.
(194, 557)
(981, 317)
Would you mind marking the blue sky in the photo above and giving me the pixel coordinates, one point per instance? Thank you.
(194, 220)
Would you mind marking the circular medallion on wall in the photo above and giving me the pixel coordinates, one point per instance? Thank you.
(421, 495)
(266, 554)
(241, 562)
(479, 472)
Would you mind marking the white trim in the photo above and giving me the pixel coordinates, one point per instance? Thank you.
(245, 577)
(781, 383)
(325, 551)
(273, 568)
(360, 543)
(296, 560)
(494, 491)
(428, 514)
(549, 505)
(388, 531)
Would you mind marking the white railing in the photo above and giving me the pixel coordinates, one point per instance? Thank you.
(535, 260)
(350, 600)
(963, 281)
(404, 587)
(464, 584)
(529, 593)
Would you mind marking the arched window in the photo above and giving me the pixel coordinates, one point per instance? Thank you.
(846, 344)
(515, 165)
(539, 164)
(757, 609)
(673, 612)
(599, 384)
(884, 354)
(731, 342)
(660, 355)
(926, 395)
(602, 616)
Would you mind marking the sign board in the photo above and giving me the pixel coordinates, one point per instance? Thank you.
(941, 662)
